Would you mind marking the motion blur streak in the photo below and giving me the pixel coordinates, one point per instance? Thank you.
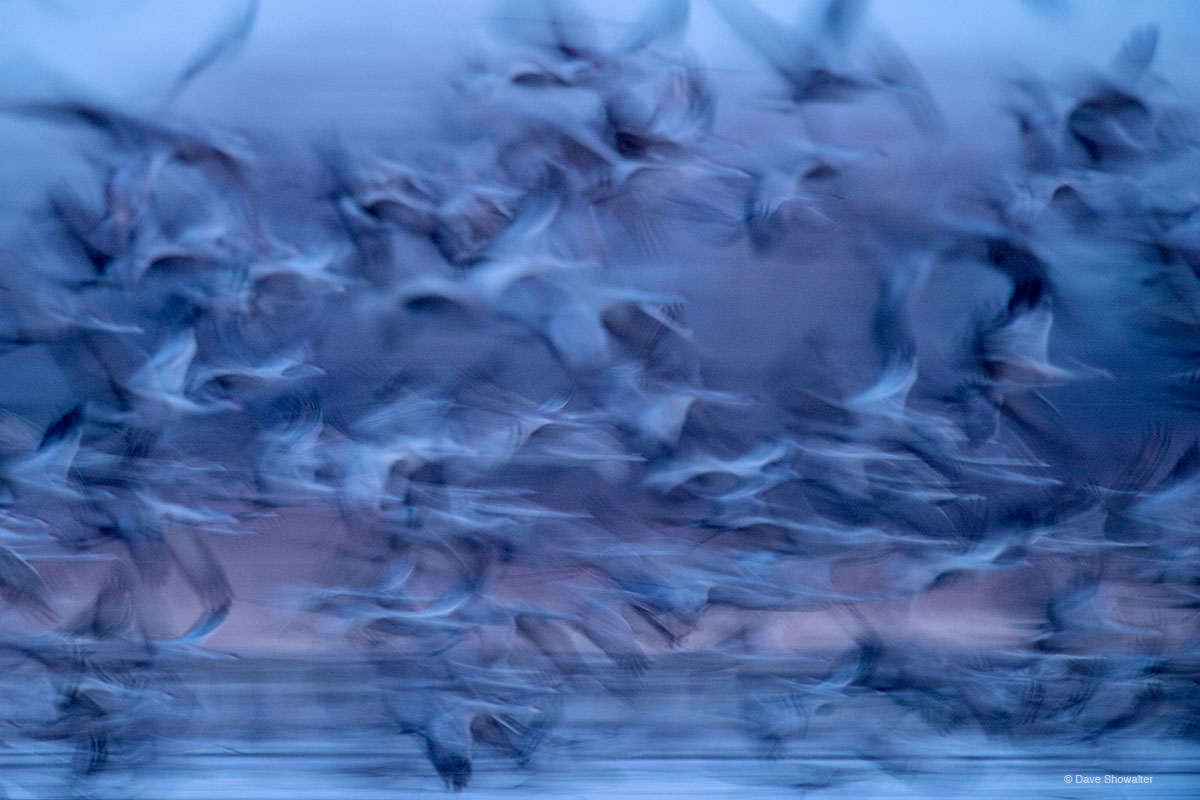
(551, 399)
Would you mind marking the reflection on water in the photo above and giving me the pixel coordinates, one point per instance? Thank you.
(688, 728)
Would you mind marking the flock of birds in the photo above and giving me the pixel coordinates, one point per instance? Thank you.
(476, 357)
